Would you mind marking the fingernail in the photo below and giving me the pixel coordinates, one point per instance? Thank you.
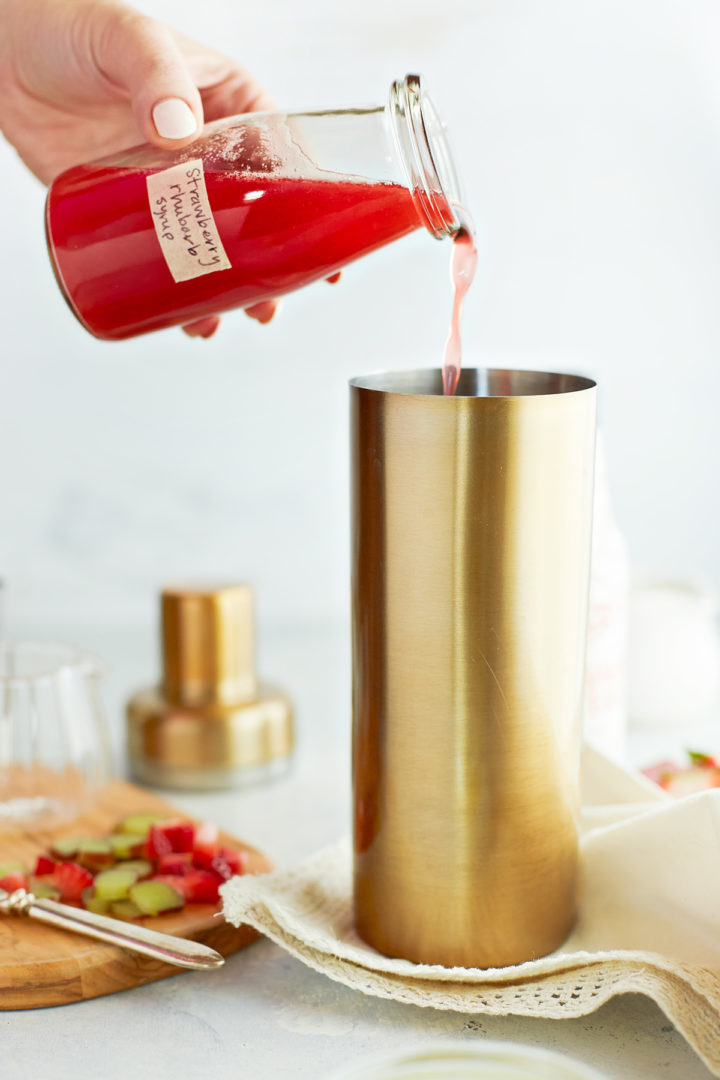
(204, 328)
(174, 119)
(262, 312)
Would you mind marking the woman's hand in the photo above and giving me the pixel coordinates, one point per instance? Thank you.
(80, 79)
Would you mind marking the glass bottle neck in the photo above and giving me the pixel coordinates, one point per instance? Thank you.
(422, 143)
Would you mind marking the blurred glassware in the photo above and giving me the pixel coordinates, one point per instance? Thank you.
(674, 670)
(605, 717)
(486, 1060)
(54, 749)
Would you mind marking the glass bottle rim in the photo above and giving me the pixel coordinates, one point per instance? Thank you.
(421, 138)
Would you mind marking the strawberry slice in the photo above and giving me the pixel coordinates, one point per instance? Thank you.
(206, 845)
(228, 862)
(70, 879)
(175, 864)
(659, 772)
(14, 880)
(690, 781)
(702, 774)
(170, 837)
(44, 865)
(200, 887)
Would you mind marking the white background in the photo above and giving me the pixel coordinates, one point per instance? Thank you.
(588, 135)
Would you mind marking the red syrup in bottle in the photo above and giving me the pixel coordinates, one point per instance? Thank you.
(278, 233)
(463, 264)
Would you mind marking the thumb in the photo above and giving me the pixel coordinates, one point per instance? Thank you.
(141, 56)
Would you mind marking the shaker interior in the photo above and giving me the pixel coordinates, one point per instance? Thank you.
(475, 382)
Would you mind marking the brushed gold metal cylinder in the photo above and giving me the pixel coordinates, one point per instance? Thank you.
(208, 644)
(470, 568)
(210, 724)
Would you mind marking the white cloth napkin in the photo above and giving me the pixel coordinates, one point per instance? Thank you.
(649, 919)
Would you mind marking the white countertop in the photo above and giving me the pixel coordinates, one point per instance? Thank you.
(266, 1015)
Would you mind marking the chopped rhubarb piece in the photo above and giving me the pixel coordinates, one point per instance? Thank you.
(125, 909)
(42, 888)
(95, 855)
(201, 887)
(114, 884)
(14, 880)
(66, 850)
(156, 897)
(176, 863)
(175, 881)
(8, 867)
(94, 903)
(142, 868)
(138, 824)
(44, 865)
(70, 879)
(228, 862)
(127, 845)
(170, 837)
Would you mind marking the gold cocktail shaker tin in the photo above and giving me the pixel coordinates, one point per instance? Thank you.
(470, 569)
(210, 723)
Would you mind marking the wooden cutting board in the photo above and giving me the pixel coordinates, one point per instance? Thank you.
(41, 966)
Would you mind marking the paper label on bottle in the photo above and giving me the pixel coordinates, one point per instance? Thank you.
(184, 222)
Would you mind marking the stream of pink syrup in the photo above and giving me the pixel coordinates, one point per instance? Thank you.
(463, 264)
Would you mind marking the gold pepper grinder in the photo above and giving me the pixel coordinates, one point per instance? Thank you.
(210, 724)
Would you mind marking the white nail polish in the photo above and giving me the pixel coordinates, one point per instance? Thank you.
(174, 119)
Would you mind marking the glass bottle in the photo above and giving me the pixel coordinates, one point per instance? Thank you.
(257, 206)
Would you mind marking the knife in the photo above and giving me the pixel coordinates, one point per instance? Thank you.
(166, 947)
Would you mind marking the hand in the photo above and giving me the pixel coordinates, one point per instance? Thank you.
(80, 79)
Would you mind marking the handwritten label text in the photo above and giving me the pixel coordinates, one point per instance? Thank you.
(184, 222)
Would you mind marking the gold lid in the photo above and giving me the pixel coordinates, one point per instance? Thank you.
(208, 645)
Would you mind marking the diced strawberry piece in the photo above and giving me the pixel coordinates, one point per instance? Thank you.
(170, 837)
(690, 781)
(71, 879)
(206, 845)
(206, 834)
(182, 836)
(158, 843)
(228, 862)
(177, 864)
(44, 865)
(200, 887)
(660, 771)
(706, 761)
(14, 880)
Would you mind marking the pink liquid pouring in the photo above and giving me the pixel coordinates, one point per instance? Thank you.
(463, 264)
